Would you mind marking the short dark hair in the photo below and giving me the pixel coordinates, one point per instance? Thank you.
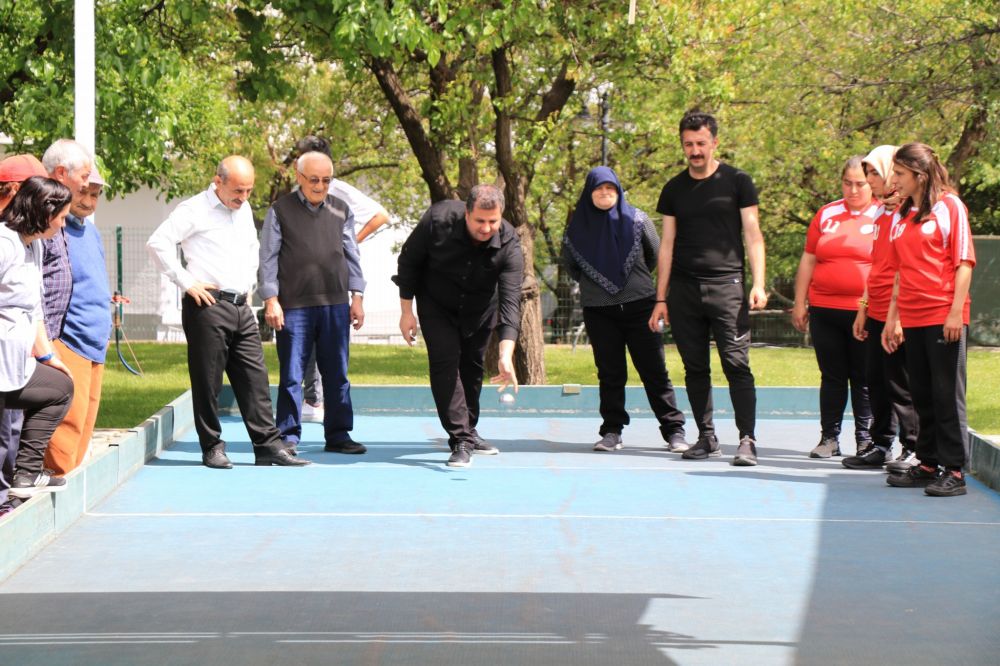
(487, 197)
(35, 204)
(311, 143)
(695, 120)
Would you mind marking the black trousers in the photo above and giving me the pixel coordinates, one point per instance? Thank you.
(889, 391)
(456, 371)
(699, 310)
(613, 329)
(841, 359)
(937, 383)
(45, 400)
(224, 338)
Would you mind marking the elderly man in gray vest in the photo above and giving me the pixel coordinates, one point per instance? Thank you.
(311, 282)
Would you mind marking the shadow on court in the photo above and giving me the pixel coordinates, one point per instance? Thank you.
(337, 628)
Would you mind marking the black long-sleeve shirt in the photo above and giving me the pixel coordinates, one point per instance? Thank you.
(439, 262)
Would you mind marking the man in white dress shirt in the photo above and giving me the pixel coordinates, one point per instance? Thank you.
(215, 229)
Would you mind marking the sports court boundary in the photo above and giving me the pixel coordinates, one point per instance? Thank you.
(40, 520)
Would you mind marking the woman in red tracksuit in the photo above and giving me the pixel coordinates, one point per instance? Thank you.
(832, 275)
(933, 255)
(888, 383)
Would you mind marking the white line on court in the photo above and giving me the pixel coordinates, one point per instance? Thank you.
(85, 642)
(540, 516)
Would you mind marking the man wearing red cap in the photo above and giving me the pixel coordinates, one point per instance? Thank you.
(14, 170)
(83, 338)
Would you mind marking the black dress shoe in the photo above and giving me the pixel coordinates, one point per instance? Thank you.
(346, 446)
(281, 457)
(216, 459)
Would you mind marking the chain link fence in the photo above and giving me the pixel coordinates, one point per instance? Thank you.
(150, 316)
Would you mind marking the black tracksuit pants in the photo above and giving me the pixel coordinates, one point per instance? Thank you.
(699, 310)
(45, 400)
(841, 359)
(456, 370)
(612, 329)
(889, 391)
(937, 383)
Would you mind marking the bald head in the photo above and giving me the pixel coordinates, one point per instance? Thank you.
(234, 181)
(313, 172)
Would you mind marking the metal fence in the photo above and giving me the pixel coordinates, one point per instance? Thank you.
(563, 317)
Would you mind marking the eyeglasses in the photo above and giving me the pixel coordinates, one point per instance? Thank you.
(316, 180)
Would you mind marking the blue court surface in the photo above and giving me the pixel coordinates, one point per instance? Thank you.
(546, 554)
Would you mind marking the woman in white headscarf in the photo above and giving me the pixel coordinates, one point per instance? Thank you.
(888, 383)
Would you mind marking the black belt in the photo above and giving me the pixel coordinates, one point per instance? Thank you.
(228, 296)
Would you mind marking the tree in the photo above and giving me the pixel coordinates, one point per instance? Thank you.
(477, 89)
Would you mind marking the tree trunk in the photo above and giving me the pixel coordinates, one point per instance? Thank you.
(973, 134)
(529, 354)
(431, 163)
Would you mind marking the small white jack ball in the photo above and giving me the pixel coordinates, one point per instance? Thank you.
(659, 326)
(507, 398)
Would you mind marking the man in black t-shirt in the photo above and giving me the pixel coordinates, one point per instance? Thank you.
(709, 212)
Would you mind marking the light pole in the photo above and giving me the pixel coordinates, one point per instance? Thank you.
(84, 97)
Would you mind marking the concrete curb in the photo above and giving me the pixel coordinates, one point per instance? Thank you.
(984, 460)
(39, 520)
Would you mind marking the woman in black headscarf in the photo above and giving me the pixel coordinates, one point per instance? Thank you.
(610, 248)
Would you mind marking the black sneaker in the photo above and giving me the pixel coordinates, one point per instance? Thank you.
(26, 485)
(482, 447)
(906, 459)
(746, 453)
(915, 477)
(946, 485)
(348, 446)
(871, 458)
(707, 446)
(460, 456)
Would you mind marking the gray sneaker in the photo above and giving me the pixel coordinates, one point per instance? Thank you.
(746, 453)
(902, 463)
(676, 443)
(827, 448)
(611, 441)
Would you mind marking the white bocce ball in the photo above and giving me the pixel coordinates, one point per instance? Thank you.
(507, 398)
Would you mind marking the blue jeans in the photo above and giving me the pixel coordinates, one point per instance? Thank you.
(328, 328)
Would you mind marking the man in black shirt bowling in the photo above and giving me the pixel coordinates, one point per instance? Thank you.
(463, 262)
(709, 211)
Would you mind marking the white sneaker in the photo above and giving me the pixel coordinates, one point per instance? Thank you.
(312, 413)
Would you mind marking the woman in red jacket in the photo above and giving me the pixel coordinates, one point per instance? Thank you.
(888, 383)
(832, 275)
(933, 254)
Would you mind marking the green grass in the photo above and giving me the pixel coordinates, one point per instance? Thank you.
(128, 400)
